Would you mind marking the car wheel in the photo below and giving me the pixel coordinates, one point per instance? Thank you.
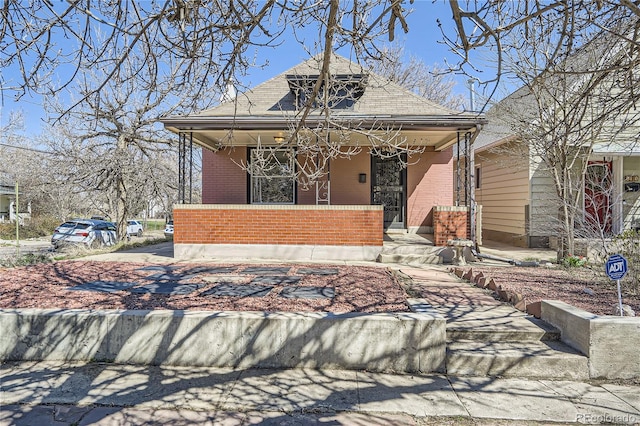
(95, 244)
(139, 233)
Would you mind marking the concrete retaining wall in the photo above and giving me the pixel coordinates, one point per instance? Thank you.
(610, 342)
(274, 252)
(403, 342)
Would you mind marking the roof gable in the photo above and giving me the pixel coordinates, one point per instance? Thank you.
(377, 95)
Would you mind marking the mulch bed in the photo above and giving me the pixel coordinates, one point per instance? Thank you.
(581, 287)
(357, 289)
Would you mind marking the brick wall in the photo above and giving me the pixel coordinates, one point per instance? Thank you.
(450, 222)
(260, 224)
(429, 184)
(345, 188)
(223, 181)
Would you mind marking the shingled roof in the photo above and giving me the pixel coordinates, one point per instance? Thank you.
(381, 96)
(272, 105)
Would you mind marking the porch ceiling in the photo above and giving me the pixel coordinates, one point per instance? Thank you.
(439, 132)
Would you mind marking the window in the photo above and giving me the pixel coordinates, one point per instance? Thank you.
(343, 91)
(272, 176)
(478, 179)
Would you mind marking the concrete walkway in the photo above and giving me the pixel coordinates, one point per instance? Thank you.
(108, 394)
(62, 393)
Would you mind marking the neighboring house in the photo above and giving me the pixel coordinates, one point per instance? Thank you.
(8, 206)
(7, 194)
(260, 188)
(518, 197)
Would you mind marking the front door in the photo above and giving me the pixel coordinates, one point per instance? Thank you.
(388, 187)
(598, 188)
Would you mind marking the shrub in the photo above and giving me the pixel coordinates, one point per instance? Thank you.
(39, 226)
(572, 261)
(25, 260)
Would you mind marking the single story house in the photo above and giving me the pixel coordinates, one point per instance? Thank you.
(7, 194)
(368, 157)
(8, 205)
(517, 194)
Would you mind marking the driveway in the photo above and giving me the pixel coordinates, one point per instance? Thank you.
(156, 253)
(8, 247)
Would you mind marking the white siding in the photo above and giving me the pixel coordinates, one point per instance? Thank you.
(544, 201)
(631, 207)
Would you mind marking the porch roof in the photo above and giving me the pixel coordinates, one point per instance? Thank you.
(270, 109)
(626, 148)
(436, 131)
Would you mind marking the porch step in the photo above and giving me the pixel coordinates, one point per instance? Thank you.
(495, 324)
(548, 359)
(413, 249)
(409, 259)
(501, 341)
(502, 335)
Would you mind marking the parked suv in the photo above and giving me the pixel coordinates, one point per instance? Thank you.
(134, 228)
(168, 230)
(88, 232)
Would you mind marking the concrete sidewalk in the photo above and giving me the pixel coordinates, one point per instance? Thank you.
(49, 393)
(163, 253)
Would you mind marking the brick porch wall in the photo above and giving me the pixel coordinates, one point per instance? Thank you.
(450, 222)
(278, 224)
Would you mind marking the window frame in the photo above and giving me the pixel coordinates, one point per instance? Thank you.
(252, 179)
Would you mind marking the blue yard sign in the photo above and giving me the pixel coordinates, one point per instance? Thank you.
(616, 267)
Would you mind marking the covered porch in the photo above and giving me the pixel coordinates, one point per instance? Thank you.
(288, 175)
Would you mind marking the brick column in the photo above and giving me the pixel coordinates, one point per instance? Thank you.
(450, 222)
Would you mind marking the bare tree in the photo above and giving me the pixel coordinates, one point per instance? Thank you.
(19, 161)
(318, 127)
(566, 109)
(214, 38)
(576, 64)
(179, 54)
(112, 143)
(486, 32)
(433, 83)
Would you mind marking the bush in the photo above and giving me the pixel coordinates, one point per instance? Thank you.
(627, 244)
(39, 226)
(25, 260)
(572, 261)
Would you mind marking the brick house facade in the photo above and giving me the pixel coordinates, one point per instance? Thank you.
(249, 200)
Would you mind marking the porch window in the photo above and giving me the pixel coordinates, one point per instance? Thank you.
(272, 176)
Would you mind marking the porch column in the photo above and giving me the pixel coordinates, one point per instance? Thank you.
(618, 182)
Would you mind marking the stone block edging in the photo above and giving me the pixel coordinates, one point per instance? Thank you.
(509, 296)
(383, 342)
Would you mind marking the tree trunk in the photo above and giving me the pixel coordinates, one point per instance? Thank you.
(121, 207)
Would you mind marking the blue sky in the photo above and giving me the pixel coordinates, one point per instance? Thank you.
(423, 41)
